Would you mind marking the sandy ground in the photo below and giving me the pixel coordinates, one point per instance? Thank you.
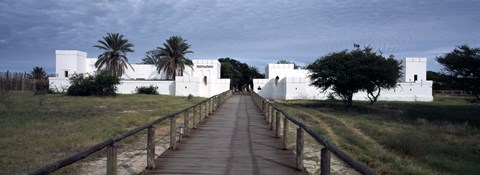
(130, 160)
(312, 163)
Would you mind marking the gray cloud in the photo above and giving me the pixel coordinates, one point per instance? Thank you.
(256, 32)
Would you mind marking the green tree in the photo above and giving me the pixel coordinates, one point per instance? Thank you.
(114, 57)
(381, 73)
(295, 66)
(151, 57)
(440, 81)
(241, 74)
(38, 73)
(172, 58)
(348, 72)
(462, 67)
(228, 71)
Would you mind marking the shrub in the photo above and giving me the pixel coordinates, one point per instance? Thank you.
(331, 97)
(189, 97)
(41, 87)
(100, 84)
(147, 90)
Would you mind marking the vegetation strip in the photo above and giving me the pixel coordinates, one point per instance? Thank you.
(340, 154)
(79, 156)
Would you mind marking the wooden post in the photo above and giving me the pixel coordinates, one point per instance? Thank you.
(299, 149)
(263, 108)
(285, 133)
(210, 103)
(206, 109)
(272, 118)
(194, 117)
(267, 112)
(277, 125)
(173, 138)
(214, 104)
(186, 122)
(324, 161)
(200, 120)
(112, 159)
(151, 148)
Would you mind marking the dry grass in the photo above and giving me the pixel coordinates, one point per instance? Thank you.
(441, 137)
(39, 129)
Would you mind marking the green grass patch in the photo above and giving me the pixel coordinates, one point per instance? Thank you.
(440, 137)
(39, 129)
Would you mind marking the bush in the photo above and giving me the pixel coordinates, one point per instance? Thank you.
(331, 97)
(41, 87)
(147, 90)
(100, 84)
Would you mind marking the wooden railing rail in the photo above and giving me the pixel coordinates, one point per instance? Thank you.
(272, 114)
(209, 105)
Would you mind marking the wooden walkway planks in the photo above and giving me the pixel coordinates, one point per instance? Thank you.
(234, 140)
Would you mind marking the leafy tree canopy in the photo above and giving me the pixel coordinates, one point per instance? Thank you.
(151, 57)
(295, 66)
(440, 81)
(462, 67)
(241, 74)
(348, 72)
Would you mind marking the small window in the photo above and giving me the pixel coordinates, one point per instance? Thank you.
(205, 80)
(415, 77)
(66, 73)
(276, 80)
(259, 88)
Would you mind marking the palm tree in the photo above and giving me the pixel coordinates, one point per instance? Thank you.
(37, 73)
(114, 58)
(172, 58)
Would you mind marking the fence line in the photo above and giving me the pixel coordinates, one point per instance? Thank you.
(273, 117)
(205, 107)
(19, 81)
(452, 92)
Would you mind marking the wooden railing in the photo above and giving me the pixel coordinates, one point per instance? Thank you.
(199, 111)
(273, 117)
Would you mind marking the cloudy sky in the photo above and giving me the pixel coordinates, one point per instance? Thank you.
(255, 32)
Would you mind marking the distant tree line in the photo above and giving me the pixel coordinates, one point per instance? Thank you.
(241, 75)
(35, 80)
(461, 70)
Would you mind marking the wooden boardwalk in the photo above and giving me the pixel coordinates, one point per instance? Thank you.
(234, 140)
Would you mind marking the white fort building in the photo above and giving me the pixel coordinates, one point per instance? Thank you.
(282, 81)
(204, 80)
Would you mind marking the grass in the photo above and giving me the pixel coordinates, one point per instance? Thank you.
(440, 137)
(39, 129)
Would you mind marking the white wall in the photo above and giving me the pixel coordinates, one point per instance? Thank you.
(145, 75)
(58, 84)
(67, 60)
(412, 67)
(129, 86)
(295, 84)
(185, 86)
(142, 71)
(296, 88)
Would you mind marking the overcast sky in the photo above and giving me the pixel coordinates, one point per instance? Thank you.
(255, 32)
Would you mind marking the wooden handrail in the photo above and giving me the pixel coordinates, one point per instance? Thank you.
(111, 142)
(265, 105)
